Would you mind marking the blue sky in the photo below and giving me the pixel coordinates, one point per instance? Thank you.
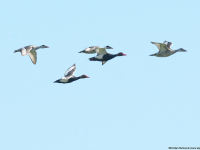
(132, 102)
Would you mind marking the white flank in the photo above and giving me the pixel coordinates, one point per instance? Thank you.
(23, 51)
(99, 57)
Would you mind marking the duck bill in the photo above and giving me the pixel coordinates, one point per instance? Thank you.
(124, 55)
(87, 77)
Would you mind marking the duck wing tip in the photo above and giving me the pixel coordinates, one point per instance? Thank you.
(103, 62)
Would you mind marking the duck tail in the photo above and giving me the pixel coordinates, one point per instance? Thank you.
(81, 51)
(57, 81)
(152, 55)
(92, 59)
(16, 51)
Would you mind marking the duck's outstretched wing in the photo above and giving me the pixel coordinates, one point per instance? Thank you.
(70, 72)
(103, 62)
(25, 50)
(33, 56)
(162, 47)
(101, 51)
(169, 44)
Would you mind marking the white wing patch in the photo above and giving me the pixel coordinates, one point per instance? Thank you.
(64, 79)
(99, 57)
(165, 42)
(169, 44)
(69, 70)
(88, 49)
(91, 49)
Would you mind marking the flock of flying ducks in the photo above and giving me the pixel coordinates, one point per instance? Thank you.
(102, 55)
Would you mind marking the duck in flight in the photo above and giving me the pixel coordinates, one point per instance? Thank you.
(91, 49)
(69, 76)
(104, 56)
(165, 49)
(31, 51)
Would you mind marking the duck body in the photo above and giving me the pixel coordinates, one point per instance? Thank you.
(69, 76)
(165, 49)
(163, 54)
(66, 80)
(31, 51)
(105, 57)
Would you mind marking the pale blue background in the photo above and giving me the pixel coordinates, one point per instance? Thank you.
(133, 102)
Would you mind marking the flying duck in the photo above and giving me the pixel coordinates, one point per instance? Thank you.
(69, 76)
(31, 51)
(104, 56)
(91, 49)
(165, 49)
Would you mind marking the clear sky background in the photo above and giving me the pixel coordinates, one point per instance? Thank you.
(132, 102)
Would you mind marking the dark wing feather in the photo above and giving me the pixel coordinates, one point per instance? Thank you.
(169, 44)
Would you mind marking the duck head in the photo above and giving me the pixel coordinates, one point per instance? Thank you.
(181, 50)
(84, 76)
(44, 46)
(121, 54)
(108, 47)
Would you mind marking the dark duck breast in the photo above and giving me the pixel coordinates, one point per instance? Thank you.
(69, 76)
